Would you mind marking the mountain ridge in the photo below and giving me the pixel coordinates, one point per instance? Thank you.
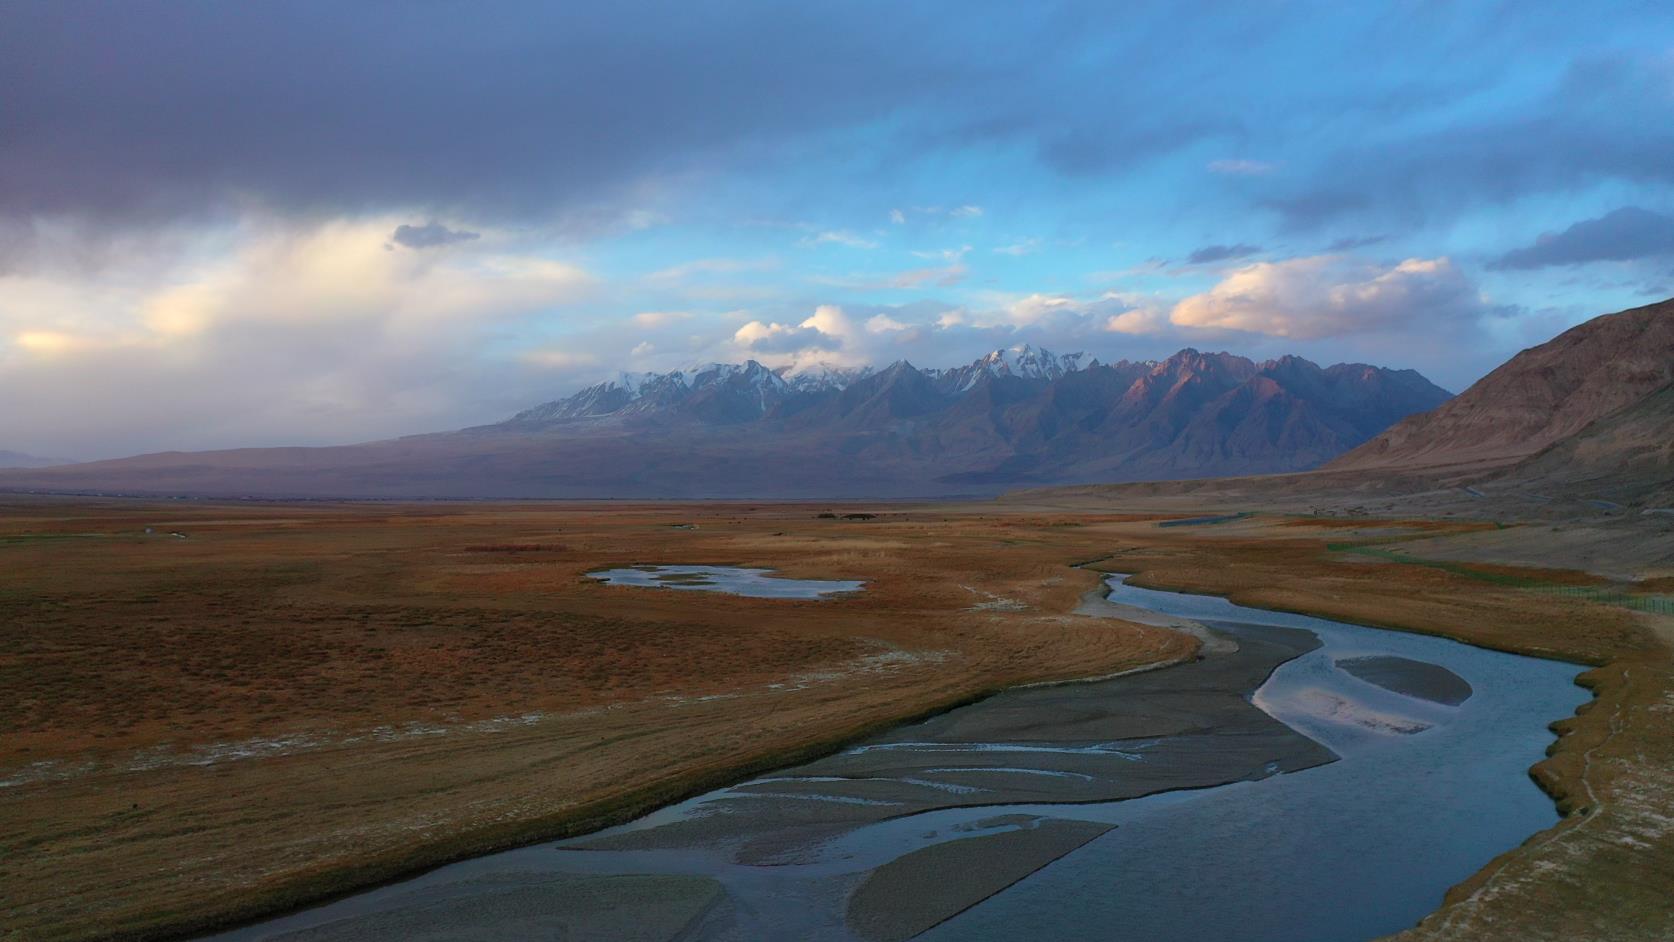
(1010, 418)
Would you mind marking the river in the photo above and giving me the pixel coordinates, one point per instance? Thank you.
(1323, 781)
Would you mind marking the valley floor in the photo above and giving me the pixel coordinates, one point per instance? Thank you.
(213, 711)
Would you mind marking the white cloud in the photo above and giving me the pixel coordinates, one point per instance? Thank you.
(830, 319)
(1025, 247)
(655, 319)
(1031, 309)
(968, 211)
(946, 255)
(48, 343)
(713, 266)
(897, 217)
(1242, 167)
(1329, 296)
(941, 277)
(1140, 321)
(815, 338)
(265, 333)
(561, 359)
(883, 324)
(841, 237)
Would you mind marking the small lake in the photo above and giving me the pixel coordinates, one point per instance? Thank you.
(1322, 782)
(732, 580)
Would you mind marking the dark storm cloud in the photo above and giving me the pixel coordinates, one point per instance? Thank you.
(147, 109)
(430, 235)
(1221, 253)
(143, 110)
(1621, 235)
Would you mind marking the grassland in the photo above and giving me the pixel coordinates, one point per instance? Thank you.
(287, 701)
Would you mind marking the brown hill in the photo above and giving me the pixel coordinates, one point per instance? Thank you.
(1537, 398)
(1626, 457)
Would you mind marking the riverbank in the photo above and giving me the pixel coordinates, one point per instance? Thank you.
(1606, 869)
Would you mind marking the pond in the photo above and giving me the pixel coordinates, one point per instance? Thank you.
(733, 580)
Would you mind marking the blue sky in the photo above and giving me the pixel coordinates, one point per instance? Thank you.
(201, 205)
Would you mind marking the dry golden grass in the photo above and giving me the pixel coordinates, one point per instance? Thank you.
(296, 699)
(416, 683)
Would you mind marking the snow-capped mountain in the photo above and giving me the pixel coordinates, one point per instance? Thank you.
(1012, 418)
(821, 377)
(1023, 362)
(740, 392)
(726, 392)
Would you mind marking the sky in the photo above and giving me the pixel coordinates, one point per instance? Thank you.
(312, 223)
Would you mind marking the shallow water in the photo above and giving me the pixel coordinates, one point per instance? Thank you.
(733, 580)
(1351, 836)
(1352, 850)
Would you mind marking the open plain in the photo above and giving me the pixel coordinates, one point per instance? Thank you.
(215, 711)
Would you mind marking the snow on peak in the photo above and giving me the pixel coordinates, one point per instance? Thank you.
(822, 376)
(707, 374)
(633, 383)
(1023, 361)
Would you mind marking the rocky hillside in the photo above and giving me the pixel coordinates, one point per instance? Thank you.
(1537, 398)
(1626, 457)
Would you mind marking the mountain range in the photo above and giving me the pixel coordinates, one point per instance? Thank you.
(1014, 417)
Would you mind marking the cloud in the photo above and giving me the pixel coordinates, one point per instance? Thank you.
(1033, 308)
(961, 211)
(1620, 235)
(841, 237)
(517, 125)
(1610, 117)
(1242, 168)
(561, 359)
(654, 319)
(823, 331)
(48, 343)
(713, 266)
(1141, 322)
(1350, 243)
(1221, 253)
(1025, 247)
(943, 277)
(286, 335)
(1330, 296)
(430, 235)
